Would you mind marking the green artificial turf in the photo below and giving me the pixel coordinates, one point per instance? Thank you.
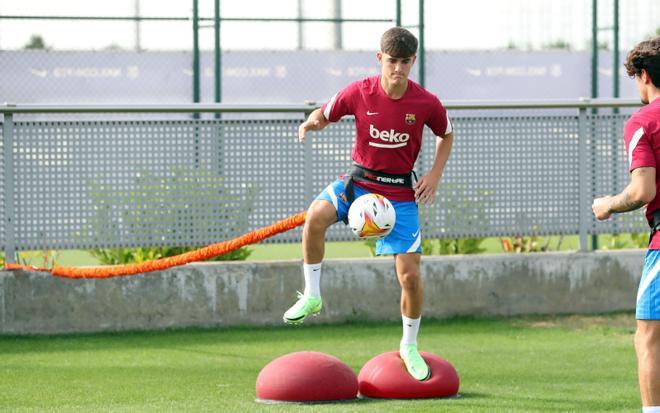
(340, 249)
(530, 364)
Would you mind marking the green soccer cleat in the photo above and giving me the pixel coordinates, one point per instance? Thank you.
(306, 305)
(415, 364)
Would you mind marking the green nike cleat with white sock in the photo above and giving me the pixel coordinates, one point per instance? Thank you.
(305, 306)
(414, 362)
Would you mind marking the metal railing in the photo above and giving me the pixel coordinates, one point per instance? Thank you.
(517, 168)
(580, 104)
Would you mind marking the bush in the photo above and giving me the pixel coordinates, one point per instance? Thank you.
(42, 258)
(179, 206)
(640, 240)
(620, 241)
(519, 244)
(450, 246)
(116, 256)
(459, 246)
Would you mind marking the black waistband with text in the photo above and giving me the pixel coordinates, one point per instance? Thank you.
(359, 172)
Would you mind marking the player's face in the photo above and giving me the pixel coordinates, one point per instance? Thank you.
(395, 69)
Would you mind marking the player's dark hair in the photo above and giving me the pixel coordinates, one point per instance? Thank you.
(398, 42)
(645, 56)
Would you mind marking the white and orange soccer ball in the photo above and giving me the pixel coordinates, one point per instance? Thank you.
(371, 216)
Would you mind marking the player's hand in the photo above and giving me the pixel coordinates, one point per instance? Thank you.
(601, 208)
(307, 126)
(425, 189)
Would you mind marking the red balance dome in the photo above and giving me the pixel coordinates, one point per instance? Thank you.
(306, 376)
(385, 376)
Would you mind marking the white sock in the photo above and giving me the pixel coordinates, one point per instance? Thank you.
(312, 273)
(410, 330)
(651, 409)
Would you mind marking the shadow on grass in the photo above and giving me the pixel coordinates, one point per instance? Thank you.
(361, 400)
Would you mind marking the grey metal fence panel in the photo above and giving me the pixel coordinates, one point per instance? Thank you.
(129, 183)
(609, 164)
(264, 161)
(3, 214)
(507, 175)
(133, 183)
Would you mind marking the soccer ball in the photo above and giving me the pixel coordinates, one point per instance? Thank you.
(371, 216)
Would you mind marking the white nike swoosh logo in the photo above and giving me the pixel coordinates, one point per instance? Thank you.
(371, 113)
(416, 233)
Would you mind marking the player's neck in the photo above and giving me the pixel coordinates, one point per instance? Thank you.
(654, 94)
(392, 89)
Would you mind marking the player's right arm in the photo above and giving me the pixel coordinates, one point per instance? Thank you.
(316, 121)
(642, 187)
(341, 104)
(639, 192)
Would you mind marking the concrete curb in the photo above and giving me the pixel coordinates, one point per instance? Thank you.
(258, 293)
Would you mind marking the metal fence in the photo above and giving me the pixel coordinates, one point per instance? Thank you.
(517, 168)
(125, 51)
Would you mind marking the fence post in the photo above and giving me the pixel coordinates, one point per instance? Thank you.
(584, 186)
(422, 46)
(8, 149)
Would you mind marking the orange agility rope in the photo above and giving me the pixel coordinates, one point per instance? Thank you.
(201, 254)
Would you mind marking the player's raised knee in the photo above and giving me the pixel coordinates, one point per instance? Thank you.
(320, 215)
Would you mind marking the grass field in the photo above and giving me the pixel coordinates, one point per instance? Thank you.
(348, 249)
(531, 364)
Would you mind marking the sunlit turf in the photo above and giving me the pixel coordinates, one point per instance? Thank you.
(345, 249)
(530, 364)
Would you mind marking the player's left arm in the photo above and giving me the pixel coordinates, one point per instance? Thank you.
(427, 186)
(639, 192)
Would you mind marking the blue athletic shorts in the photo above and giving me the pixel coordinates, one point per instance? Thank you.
(405, 236)
(648, 294)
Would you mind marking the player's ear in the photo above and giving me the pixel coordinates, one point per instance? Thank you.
(645, 77)
(379, 56)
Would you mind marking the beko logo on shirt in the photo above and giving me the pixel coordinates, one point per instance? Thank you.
(393, 138)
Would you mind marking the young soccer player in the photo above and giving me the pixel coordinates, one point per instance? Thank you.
(390, 114)
(642, 139)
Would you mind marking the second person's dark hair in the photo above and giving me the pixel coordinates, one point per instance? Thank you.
(646, 55)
